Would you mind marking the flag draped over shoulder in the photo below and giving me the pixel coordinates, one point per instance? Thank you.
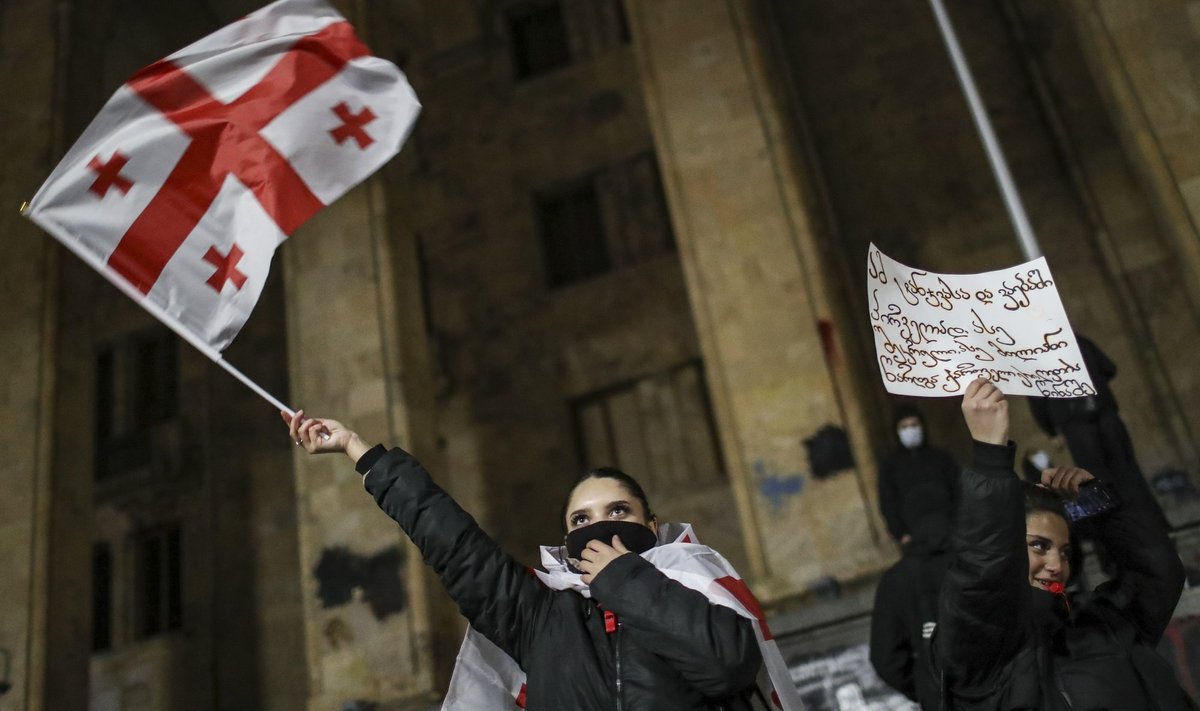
(204, 162)
(487, 679)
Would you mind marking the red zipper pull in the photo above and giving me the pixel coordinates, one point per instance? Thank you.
(610, 621)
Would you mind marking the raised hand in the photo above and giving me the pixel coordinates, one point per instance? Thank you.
(1065, 480)
(323, 436)
(986, 412)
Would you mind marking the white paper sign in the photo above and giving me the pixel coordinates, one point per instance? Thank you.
(935, 333)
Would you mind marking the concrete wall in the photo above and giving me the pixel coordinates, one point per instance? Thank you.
(29, 35)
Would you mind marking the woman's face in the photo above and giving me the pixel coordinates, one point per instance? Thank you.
(1049, 544)
(604, 499)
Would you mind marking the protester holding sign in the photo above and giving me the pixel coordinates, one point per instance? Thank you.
(1008, 637)
(604, 627)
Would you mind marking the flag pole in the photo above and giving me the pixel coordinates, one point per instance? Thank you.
(1008, 189)
(159, 313)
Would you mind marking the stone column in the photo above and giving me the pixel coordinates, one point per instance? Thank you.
(760, 291)
(356, 354)
(28, 34)
(1144, 54)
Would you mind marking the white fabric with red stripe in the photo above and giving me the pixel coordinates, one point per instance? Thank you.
(487, 679)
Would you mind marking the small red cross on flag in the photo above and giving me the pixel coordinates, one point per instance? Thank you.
(205, 161)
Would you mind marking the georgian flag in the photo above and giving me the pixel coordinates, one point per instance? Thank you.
(487, 679)
(204, 162)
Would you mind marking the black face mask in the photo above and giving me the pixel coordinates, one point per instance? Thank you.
(635, 536)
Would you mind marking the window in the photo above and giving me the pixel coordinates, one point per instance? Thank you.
(137, 391)
(612, 218)
(102, 597)
(573, 234)
(539, 39)
(157, 585)
(659, 429)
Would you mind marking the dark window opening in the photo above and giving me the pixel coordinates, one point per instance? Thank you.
(539, 39)
(137, 390)
(572, 229)
(158, 589)
(102, 597)
(613, 218)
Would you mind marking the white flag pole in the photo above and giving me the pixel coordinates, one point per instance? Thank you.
(159, 313)
(1008, 189)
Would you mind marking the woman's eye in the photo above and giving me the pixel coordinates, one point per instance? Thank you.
(1038, 546)
(578, 520)
(619, 511)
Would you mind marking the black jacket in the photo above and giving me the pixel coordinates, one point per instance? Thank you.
(671, 648)
(904, 614)
(914, 483)
(1053, 414)
(1000, 644)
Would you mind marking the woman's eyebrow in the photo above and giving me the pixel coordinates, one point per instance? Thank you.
(621, 502)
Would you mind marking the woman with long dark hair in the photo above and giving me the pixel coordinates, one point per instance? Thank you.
(630, 614)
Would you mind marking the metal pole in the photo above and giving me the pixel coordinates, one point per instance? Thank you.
(1008, 189)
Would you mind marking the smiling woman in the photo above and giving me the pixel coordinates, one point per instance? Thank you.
(604, 627)
(1007, 636)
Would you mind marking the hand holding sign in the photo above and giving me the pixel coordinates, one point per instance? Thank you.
(935, 333)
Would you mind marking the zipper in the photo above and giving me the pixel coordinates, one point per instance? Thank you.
(620, 706)
(613, 626)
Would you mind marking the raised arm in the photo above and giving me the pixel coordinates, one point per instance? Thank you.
(497, 595)
(986, 595)
(1150, 576)
(711, 646)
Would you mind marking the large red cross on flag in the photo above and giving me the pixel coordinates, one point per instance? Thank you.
(204, 162)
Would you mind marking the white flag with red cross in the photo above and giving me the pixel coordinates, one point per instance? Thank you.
(204, 162)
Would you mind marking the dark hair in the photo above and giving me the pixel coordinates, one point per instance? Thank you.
(631, 486)
(1041, 500)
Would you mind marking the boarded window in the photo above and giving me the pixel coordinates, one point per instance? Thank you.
(157, 585)
(538, 37)
(659, 429)
(102, 597)
(137, 391)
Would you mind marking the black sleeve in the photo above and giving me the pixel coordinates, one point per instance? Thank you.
(1039, 407)
(891, 502)
(498, 596)
(986, 594)
(1150, 576)
(711, 646)
(892, 653)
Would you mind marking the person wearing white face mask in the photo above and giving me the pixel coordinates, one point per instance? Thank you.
(917, 485)
(915, 479)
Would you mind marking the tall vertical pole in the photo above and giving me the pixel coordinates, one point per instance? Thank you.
(1008, 189)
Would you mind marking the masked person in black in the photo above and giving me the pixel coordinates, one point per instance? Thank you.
(1008, 636)
(640, 642)
(916, 478)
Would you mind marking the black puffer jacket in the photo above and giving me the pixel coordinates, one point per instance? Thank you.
(1000, 644)
(671, 648)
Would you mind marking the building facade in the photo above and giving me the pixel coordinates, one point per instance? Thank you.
(626, 233)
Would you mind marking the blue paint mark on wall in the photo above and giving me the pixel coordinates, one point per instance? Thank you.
(776, 487)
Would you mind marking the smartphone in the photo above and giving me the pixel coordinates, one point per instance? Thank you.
(1094, 498)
